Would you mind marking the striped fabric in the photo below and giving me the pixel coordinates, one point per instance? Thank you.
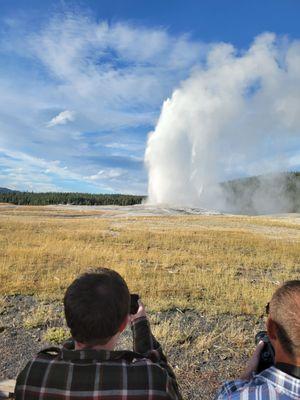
(98, 374)
(271, 384)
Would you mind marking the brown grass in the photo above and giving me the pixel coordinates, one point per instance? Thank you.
(222, 268)
(216, 264)
(3, 304)
(41, 316)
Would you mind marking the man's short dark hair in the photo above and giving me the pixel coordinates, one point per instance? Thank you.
(96, 305)
(285, 312)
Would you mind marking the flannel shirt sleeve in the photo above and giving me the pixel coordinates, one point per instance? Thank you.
(21, 381)
(145, 343)
(229, 388)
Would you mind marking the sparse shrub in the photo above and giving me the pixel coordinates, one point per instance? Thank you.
(173, 332)
(41, 316)
(56, 335)
(3, 304)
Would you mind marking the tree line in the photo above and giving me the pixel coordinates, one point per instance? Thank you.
(86, 199)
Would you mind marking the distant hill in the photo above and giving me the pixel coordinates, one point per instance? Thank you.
(5, 190)
(270, 193)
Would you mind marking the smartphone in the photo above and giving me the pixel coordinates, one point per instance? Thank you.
(134, 303)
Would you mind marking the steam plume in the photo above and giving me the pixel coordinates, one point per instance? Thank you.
(237, 115)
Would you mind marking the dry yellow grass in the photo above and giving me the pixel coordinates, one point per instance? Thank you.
(3, 304)
(216, 264)
(220, 267)
(56, 335)
(40, 316)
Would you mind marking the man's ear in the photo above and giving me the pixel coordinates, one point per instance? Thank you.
(271, 329)
(124, 324)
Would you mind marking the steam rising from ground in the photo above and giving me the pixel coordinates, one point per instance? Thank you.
(237, 115)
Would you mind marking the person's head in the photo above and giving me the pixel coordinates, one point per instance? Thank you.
(97, 306)
(284, 320)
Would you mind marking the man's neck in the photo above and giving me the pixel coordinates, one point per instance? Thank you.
(282, 357)
(109, 346)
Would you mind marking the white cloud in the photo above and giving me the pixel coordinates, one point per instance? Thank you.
(18, 161)
(111, 173)
(118, 72)
(62, 118)
(24, 172)
(112, 77)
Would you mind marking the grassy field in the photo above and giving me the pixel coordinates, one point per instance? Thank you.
(217, 264)
(224, 268)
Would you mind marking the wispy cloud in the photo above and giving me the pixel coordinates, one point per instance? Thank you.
(109, 80)
(62, 118)
(78, 97)
(22, 171)
(112, 173)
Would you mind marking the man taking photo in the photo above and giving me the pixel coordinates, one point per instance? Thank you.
(87, 366)
(282, 380)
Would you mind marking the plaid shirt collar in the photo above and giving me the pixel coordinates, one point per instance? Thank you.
(68, 352)
(280, 378)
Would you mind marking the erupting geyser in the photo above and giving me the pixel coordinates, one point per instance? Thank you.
(236, 115)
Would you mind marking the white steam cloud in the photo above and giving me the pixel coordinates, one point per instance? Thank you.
(237, 115)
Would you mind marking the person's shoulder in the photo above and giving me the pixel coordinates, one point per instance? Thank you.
(145, 369)
(240, 389)
(45, 356)
(147, 364)
(38, 364)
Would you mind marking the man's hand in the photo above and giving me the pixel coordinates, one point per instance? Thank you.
(141, 312)
(252, 363)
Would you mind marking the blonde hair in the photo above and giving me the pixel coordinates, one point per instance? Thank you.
(285, 312)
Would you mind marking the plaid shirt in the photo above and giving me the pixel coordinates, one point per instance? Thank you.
(270, 384)
(65, 373)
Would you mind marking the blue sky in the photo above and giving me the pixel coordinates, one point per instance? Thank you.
(82, 82)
